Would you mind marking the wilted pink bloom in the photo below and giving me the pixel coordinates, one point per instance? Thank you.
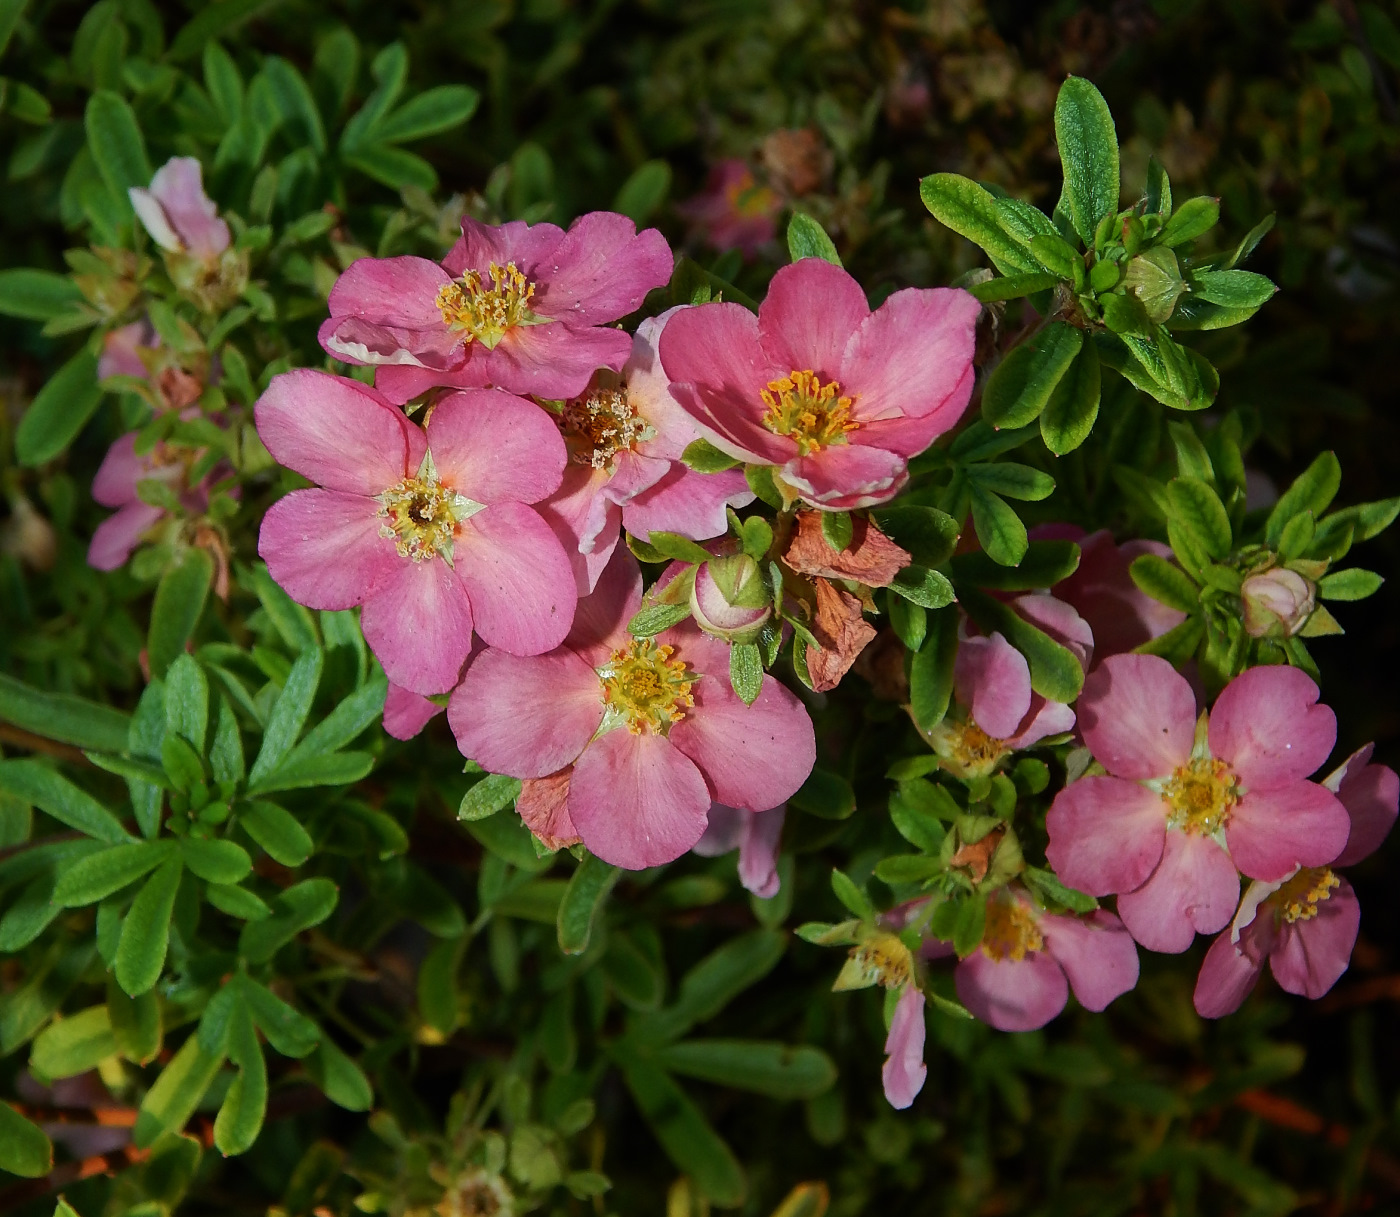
(178, 214)
(1181, 809)
(1021, 975)
(406, 713)
(522, 307)
(116, 485)
(904, 1072)
(992, 682)
(651, 727)
(734, 211)
(755, 834)
(1305, 925)
(835, 397)
(431, 533)
(1102, 591)
(625, 437)
(121, 350)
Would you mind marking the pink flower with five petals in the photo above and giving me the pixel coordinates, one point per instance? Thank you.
(430, 529)
(1180, 809)
(833, 396)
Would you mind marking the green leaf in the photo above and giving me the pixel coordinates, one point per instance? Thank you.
(393, 167)
(928, 534)
(780, 1071)
(585, 896)
(909, 621)
(63, 717)
(298, 773)
(1044, 565)
(926, 588)
(298, 908)
(1312, 490)
(1193, 218)
(652, 620)
(288, 715)
(1165, 582)
(216, 860)
(179, 603)
(24, 1148)
(36, 295)
(146, 931)
(684, 1133)
(826, 795)
(136, 1023)
(1158, 365)
(746, 672)
(1055, 672)
(704, 457)
(226, 751)
(287, 1030)
(1021, 385)
(969, 924)
(90, 879)
(73, 1045)
(437, 986)
(170, 1103)
(714, 982)
(1013, 481)
(644, 191)
(1073, 407)
(292, 97)
(1157, 197)
(916, 825)
(1088, 143)
(1050, 888)
(494, 792)
(278, 831)
(509, 839)
(1232, 288)
(1012, 287)
(61, 409)
(998, 528)
(363, 707)
(237, 902)
(56, 795)
(293, 622)
(1352, 584)
(180, 763)
(341, 1079)
(971, 211)
(807, 239)
(678, 548)
(212, 21)
(931, 670)
(1198, 510)
(244, 1108)
(837, 529)
(114, 139)
(187, 701)
(430, 113)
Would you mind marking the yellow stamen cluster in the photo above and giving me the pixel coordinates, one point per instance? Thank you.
(1298, 898)
(486, 310)
(965, 749)
(646, 688)
(885, 958)
(812, 413)
(748, 198)
(421, 516)
(602, 423)
(1200, 795)
(1010, 932)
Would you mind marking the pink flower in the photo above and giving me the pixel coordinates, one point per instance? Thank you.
(1305, 925)
(1021, 975)
(121, 350)
(1121, 615)
(734, 211)
(651, 727)
(1181, 808)
(834, 397)
(521, 307)
(625, 437)
(431, 533)
(905, 1072)
(406, 713)
(755, 834)
(178, 214)
(116, 485)
(992, 683)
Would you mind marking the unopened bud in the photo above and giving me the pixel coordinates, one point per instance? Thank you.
(729, 598)
(28, 536)
(1277, 603)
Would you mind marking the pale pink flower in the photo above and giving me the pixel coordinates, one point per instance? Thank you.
(1178, 810)
(430, 531)
(1306, 924)
(121, 350)
(755, 834)
(625, 436)
(406, 713)
(117, 485)
(835, 397)
(178, 214)
(904, 1071)
(522, 307)
(651, 728)
(733, 211)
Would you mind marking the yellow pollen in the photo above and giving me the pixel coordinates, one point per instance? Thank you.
(602, 423)
(646, 687)
(1010, 932)
(812, 413)
(1298, 898)
(1200, 795)
(421, 515)
(486, 310)
(887, 959)
(965, 749)
(750, 199)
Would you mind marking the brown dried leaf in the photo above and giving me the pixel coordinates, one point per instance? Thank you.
(543, 805)
(977, 857)
(871, 558)
(842, 632)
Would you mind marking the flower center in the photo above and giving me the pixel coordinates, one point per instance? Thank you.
(603, 422)
(1010, 932)
(645, 688)
(748, 198)
(486, 310)
(1298, 898)
(812, 413)
(1200, 795)
(421, 515)
(965, 749)
(885, 958)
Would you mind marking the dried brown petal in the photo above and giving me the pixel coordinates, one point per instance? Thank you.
(871, 558)
(842, 632)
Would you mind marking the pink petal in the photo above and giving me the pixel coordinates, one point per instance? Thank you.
(551, 360)
(1106, 834)
(579, 515)
(355, 340)
(908, 435)
(178, 187)
(397, 292)
(600, 622)
(1059, 620)
(687, 502)
(1272, 832)
(904, 1071)
(1194, 890)
(1371, 794)
(527, 245)
(753, 756)
(1012, 994)
(323, 548)
(1227, 977)
(544, 806)
(649, 389)
(758, 852)
(419, 625)
(120, 351)
(911, 355)
(153, 218)
(117, 535)
(115, 482)
(636, 800)
(399, 383)
(406, 713)
(335, 431)
(846, 476)
(811, 310)
(601, 270)
(632, 474)
(1097, 953)
(1310, 956)
(993, 679)
(496, 448)
(1045, 718)
(1138, 716)
(1267, 725)
(518, 577)
(724, 830)
(528, 717)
